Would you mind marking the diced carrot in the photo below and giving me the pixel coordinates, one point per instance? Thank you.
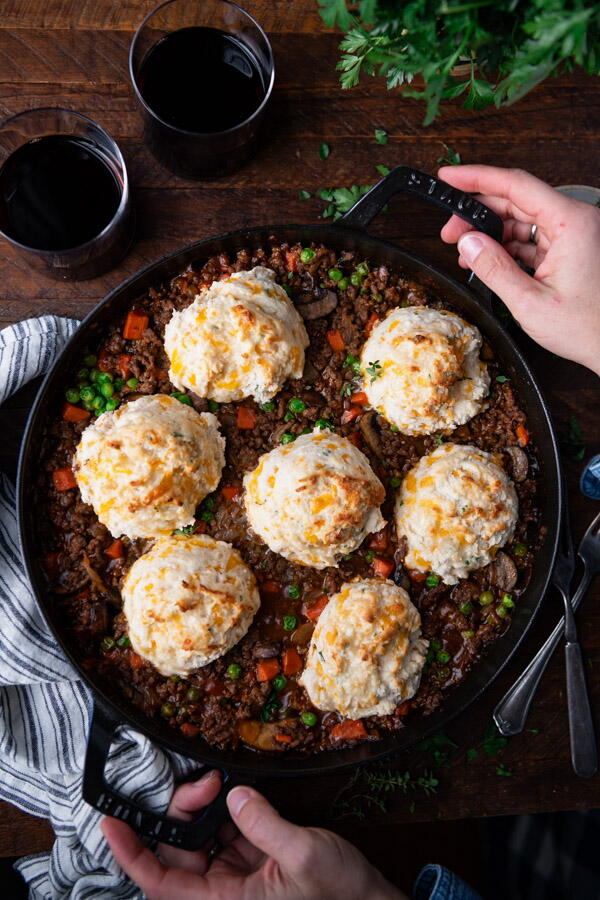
(190, 731)
(383, 567)
(292, 661)
(417, 576)
(379, 540)
(229, 491)
(283, 738)
(115, 551)
(50, 564)
(335, 340)
(64, 479)
(349, 730)
(273, 588)
(103, 361)
(522, 435)
(135, 660)
(356, 438)
(72, 413)
(267, 669)
(135, 325)
(314, 611)
(124, 365)
(349, 415)
(246, 417)
(403, 709)
(360, 398)
(291, 260)
(371, 322)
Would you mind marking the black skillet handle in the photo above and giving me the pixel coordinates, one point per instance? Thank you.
(99, 794)
(406, 180)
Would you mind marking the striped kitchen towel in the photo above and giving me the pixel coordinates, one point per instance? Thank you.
(45, 709)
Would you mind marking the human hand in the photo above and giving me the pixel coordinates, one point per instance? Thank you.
(270, 860)
(559, 306)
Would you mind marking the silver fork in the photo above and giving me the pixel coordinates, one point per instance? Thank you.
(511, 712)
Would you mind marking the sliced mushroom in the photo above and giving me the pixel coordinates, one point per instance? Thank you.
(98, 584)
(260, 735)
(370, 432)
(265, 651)
(519, 464)
(316, 309)
(302, 635)
(503, 572)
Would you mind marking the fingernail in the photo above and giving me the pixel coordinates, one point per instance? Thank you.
(470, 246)
(237, 799)
(207, 776)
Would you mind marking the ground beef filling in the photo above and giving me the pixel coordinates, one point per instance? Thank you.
(224, 702)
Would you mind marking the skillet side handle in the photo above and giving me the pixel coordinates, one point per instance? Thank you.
(99, 794)
(406, 180)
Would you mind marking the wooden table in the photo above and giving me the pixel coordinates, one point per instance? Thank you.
(65, 52)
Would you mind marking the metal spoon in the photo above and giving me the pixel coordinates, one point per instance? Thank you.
(511, 712)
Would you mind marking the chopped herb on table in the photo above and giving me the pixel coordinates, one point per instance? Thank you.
(340, 200)
(324, 150)
(304, 195)
(452, 157)
(573, 440)
(381, 136)
(502, 770)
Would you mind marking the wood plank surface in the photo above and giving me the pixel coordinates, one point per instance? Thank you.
(74, 53)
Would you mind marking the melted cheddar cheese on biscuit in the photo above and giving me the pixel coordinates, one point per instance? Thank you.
(422, 371)
(366, 653)
(314, 500)
(146, 466)
(456, 508)
(241, 337)
(188, 601)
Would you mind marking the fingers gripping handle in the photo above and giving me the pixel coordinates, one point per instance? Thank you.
(406, 180)
(99, 794)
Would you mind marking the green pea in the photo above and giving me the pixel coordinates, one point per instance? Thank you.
(183, 398)
(90, 360)
(168, 710)
(104, 378)
(124, 641)
(289, 623)
(356, 279)
(486, 597)
(269, 406)
(442, 656)
(193, 694)
(520, 549)
(307, 254)
(435, 644)
(430, 656)
(297, 405)
(279, 682)
(335, 274)
(213, 406)
(83, 374)
(287, 438)
(501, 611)
(394, 428)
(432, 580)
(308, 718)
(362, 269)
(507, 601)
(234, 671)
(323, 423)
(293, 591)
(343, 284)
(87, 394)
(94, 375)
(175, 679)
(466, 608)
(87, 404)
(395, 482)
(72, 395)
(118, 383)
(111, 404)
(306, 430)
(106, 644)
(107, 390)
(98, 403)
(132, 383)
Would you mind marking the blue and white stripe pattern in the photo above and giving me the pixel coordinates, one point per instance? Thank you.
(44, 709)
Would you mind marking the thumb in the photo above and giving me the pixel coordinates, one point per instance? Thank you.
(263, 826)
(496, 268)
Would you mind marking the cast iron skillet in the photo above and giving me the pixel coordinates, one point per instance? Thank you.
(244, 764)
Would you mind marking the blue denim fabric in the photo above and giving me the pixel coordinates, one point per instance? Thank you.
(438, 883)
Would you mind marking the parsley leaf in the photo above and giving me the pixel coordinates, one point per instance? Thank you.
(324, 150)
(452, 157)
(304, 195)
(375, 370)
(381, 136)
